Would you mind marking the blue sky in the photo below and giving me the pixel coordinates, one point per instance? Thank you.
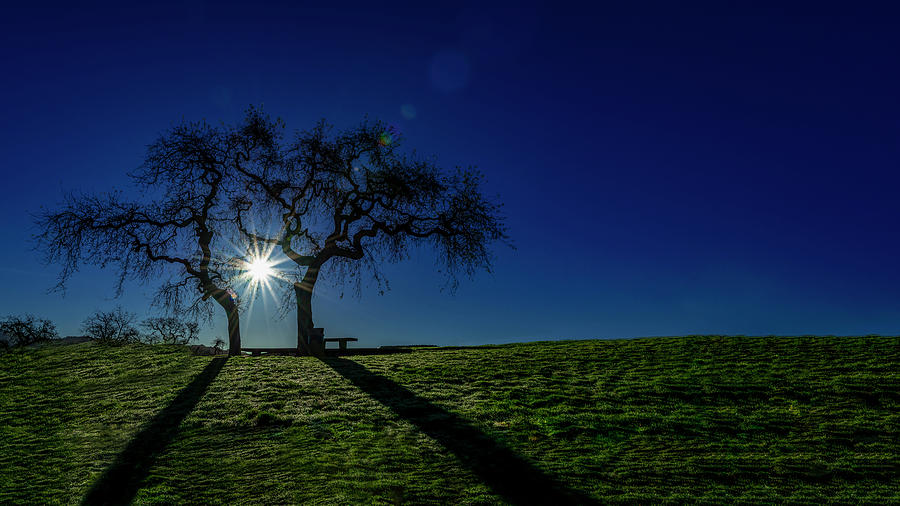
(666, 170)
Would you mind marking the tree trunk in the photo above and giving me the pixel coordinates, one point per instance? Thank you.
(303, 292)
(234, 332)
(234, 324)
(304, 318)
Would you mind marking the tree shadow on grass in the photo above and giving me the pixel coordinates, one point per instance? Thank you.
(120, 482)
(507, 473)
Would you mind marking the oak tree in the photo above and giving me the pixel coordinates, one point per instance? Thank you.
(352, 200)
(173, 228)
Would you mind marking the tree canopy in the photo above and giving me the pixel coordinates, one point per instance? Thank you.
(350, 200)
(178, 232)
(353, 199)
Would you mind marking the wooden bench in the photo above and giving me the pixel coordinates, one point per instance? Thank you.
(270, 351)
(342, 341)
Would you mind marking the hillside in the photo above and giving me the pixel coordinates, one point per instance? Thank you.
(712, 418)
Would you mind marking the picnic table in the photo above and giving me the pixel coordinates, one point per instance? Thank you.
(342, 341)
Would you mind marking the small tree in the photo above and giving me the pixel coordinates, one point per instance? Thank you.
(169, 330)
(218, 343)
(111, 327)
(22, 330)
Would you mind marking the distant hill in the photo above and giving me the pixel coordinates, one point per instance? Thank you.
(703, 418)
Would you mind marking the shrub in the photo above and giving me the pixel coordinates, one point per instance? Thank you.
(111, 327)
(169, 330)
(22, 330)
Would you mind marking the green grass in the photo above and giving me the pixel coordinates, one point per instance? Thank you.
(710, 419)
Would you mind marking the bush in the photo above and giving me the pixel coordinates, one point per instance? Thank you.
(111, 327)
(22, 330)
(169, 330)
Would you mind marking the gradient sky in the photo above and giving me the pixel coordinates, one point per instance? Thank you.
(665, 170)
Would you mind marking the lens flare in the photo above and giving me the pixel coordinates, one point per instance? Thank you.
(385, 138)
(259, 269)
(258, 274)
(408, 111)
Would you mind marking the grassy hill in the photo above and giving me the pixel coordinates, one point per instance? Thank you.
(716, 419)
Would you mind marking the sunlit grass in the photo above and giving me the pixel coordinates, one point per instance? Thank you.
(720, 419)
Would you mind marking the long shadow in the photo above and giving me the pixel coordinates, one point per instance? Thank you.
(121, 480)
(510, 475)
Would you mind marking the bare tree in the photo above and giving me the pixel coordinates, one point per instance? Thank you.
(170, 330)
(22, 330)
(111, 327)
(176, 234)
(353, 201)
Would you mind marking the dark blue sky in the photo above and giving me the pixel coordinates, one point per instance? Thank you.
(665, 170)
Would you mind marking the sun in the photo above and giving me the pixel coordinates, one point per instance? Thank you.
(259, 269)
